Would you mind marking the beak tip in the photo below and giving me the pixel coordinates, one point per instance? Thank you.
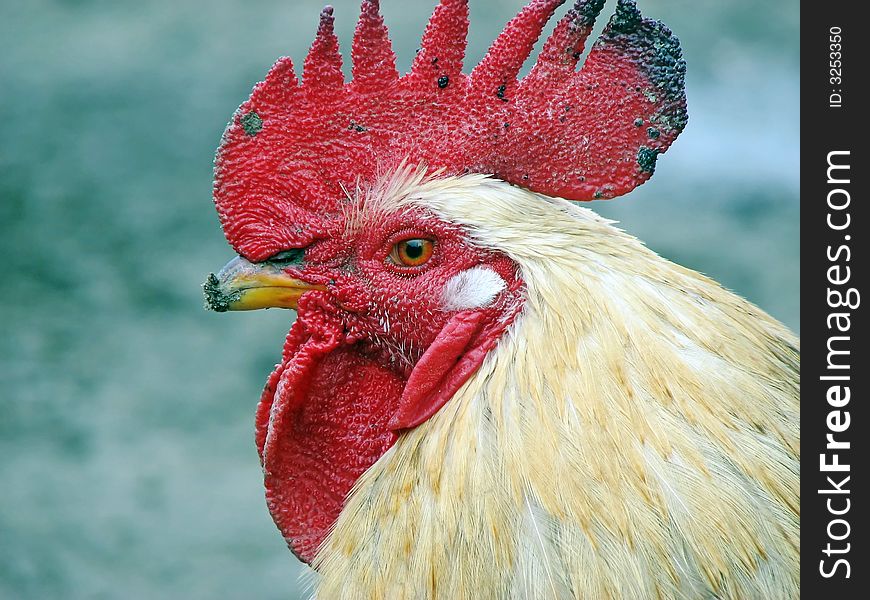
(214, 298)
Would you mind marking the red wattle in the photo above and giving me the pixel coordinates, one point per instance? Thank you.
(441, 370)
(322, 421)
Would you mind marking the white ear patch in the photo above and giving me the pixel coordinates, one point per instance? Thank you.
(473, 288)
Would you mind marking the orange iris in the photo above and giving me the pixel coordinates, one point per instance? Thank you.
(412, 253)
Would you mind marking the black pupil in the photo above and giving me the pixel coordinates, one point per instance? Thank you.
(414, 249)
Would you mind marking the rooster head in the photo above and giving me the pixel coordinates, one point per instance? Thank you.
(319, 186)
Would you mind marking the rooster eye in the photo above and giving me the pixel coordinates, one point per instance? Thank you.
(412, 253)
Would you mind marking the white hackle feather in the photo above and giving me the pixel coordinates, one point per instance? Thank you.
(473, 288)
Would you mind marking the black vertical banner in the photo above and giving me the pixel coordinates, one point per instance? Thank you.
(835, 364)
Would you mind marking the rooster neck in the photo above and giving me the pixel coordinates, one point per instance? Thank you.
(634, 434)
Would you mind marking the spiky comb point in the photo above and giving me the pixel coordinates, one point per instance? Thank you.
(582, 135)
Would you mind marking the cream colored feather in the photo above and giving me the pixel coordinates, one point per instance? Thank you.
(634, 435)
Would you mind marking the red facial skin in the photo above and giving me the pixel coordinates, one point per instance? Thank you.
(352, 376)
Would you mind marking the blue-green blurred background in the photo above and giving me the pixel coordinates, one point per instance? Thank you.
(127, 463)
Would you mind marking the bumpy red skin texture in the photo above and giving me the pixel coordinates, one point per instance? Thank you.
(372, 355)
(592, 133)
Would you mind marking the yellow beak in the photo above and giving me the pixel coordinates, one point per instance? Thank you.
(243, 285)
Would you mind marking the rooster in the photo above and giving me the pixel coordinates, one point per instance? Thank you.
(489, 391)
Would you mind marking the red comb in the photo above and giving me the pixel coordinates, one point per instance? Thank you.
(290, 150)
